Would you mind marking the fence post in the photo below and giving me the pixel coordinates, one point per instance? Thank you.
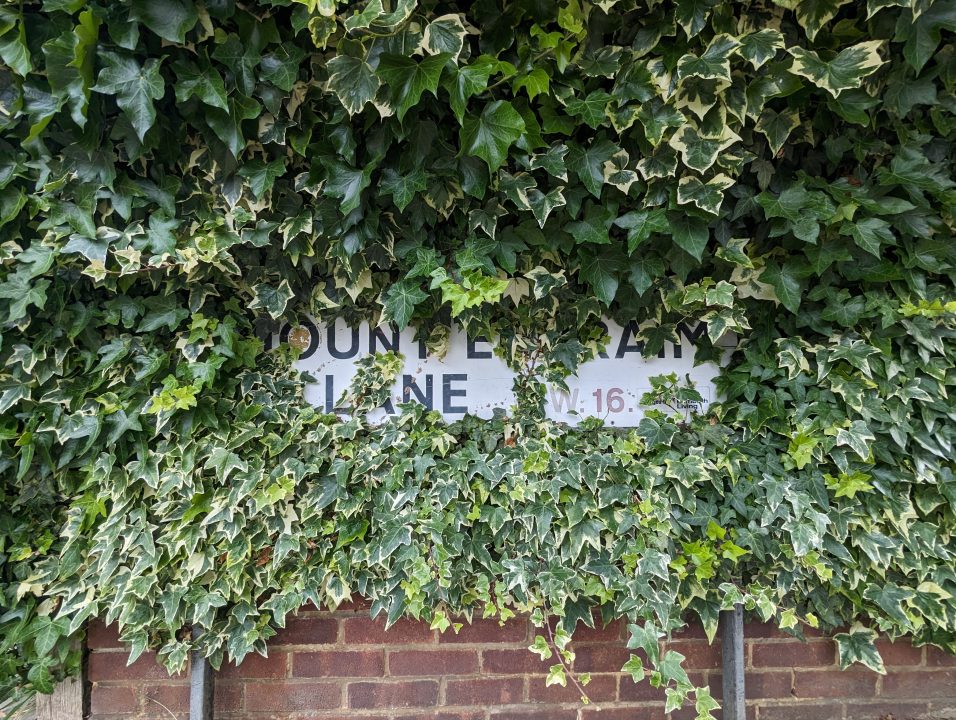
(732, 652)
(201, 683)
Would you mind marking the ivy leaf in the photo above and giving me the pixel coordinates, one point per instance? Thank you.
(353, 81)
(593, 229)
(93, 249)
(692, 15)
(854, 106)
(689, 233)
(643, 270)
(859, 646)
(170, 19)
(713, 63)
(844, 72)
(347, 183)
(134, 86)
(777, 126)
(205, 84)
(13, 43)
(857, 437)
(600, 271)
(542, 204)
(656, 117)
(262, 175)
(69, 65)
(921, 35)
(271, 298)
(814, 14)
(870, 234)
(640, 224)
(281, 66)
(707, 196)
(468, 81)
(534, 83)
(591, 109)
(444, 34)
(786, 284)
(408, 79)
(402, 188)
(588, 163)
(760, 47)
(697, 151)
(489, 135)
(400, 302)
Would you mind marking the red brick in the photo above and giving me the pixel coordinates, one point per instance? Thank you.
(759, 685)
(763, 630)
(366, 630)
(408, 693)
(834, 683)
(307, 631)
(600, 658)
(160, 700)
(643, 691)
(488, 630)
(512, 661)
(100, 635)
(339, 663)
(698, 654)
(632, 712)
(227, 696)
(939, 658)
(920, 684)
(484, 692)
(292, 697)
(692, 631)
(885, 711)
(532, 714)
(355, 605)
(612, 632)
(601, 689)
(433, 662)
(900, 652)
(111, 666)
(813, 653)
(254, 665)
(801, 711)
(105, 700)
(436, 715)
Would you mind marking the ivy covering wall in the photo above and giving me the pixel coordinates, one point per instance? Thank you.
(179, 177)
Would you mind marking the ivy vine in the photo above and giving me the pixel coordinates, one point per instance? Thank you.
(178, 177)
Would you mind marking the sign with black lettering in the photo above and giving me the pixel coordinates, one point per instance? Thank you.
(471, 379)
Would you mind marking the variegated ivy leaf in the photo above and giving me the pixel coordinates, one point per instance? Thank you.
(843, 72)
(271, 298)
(445, 34)
(713, 63)
(542, 204)
(777, 126)
(697, 151)
(617, 174)
(353, 81)
(663, 163)
(656, 117)
(707, 196)
(692, 15)
(762, 46)
(859, 646)
(814, 14)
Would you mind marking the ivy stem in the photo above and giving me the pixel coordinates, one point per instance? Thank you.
(568, 671)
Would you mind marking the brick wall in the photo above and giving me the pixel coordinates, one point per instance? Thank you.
(344, 665)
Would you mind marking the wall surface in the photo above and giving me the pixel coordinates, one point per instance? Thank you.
(344, 665)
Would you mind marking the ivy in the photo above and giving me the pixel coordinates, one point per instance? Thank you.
(179, 179)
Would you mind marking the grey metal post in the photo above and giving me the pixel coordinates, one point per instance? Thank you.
(201, 684)
(732, 652)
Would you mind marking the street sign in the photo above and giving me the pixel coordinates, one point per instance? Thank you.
(471, 379)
